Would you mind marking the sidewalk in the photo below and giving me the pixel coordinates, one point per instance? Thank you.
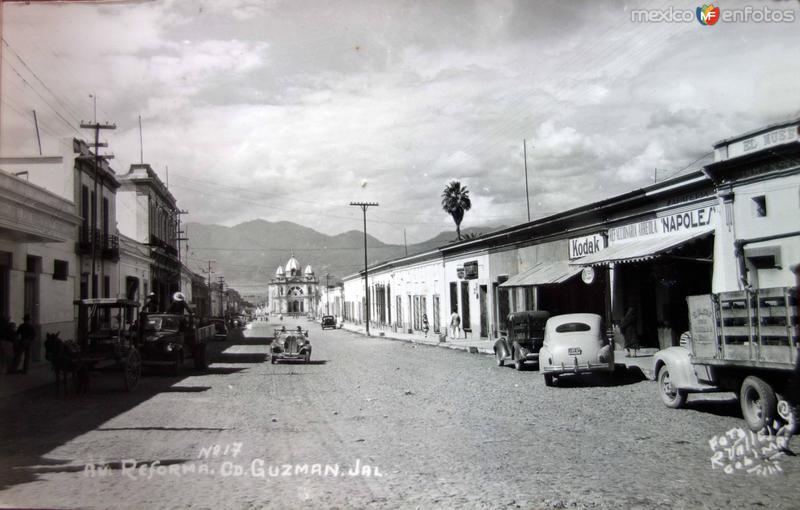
(469, 345)
(39, 374)
(643, 360)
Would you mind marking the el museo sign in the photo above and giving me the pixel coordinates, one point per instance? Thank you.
(667, 224)
(764, 140)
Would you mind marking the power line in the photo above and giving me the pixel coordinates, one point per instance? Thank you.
(67, 122)
(22, 61)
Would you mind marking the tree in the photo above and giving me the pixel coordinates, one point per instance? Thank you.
(455, 201)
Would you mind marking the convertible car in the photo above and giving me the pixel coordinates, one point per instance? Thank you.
(291, 345)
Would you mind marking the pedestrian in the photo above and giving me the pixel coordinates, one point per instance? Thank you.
(6, 344)
(22, 345)
(455, 324)
(628, 328)
(151, 303)
(179, 306)
(425, 326)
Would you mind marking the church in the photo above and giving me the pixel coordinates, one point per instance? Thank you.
(292, 291)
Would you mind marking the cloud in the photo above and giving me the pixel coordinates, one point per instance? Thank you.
(279, 109)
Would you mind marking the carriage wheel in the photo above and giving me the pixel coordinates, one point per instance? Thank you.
(132, 369)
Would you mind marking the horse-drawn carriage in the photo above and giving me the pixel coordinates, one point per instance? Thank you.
(291, 345)
(114, 336)
(105, 341)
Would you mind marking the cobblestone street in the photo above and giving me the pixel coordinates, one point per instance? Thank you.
(428, 427)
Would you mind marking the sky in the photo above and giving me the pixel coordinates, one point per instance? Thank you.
(290, 110)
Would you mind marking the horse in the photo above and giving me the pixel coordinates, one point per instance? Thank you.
(64, 356)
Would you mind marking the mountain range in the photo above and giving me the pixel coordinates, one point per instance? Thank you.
(248, 254)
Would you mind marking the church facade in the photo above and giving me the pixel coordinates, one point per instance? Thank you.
(293, 291)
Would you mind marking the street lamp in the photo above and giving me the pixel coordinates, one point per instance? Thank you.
(364, 206)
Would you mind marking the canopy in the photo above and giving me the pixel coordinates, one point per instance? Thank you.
(642, 249)
(543, 273)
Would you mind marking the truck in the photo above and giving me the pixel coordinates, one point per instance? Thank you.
(744, 342)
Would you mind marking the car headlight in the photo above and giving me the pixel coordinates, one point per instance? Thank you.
(168, 348)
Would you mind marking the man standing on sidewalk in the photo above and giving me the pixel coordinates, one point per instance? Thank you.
(455, 324)
(22, 346)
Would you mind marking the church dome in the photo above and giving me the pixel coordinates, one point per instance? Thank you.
(308, 271)
(292, 265)
(279, 271)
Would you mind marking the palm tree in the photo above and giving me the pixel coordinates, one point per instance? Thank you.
(455, 201)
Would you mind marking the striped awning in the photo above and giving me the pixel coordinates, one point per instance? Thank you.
(543, 273)
(641, 249)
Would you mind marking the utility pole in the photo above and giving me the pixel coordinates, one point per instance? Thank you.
(221, 282)
(210, 272)
(527, 195)
(405, 242)
(327, 290)
(96, 126)
(364, 206)
(179, 239)
(141, 142)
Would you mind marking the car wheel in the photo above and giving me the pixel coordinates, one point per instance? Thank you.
(272, 359)
(548, 380)
(519, 362)
(498, 355)
(758, 402)
(307, 357)
(671, 396)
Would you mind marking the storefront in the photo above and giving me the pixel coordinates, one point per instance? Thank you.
(548, 282)
(650, 266)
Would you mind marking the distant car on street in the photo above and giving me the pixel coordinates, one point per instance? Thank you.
(575, 344)
(328, 321)
(220, 329)
(524, 339)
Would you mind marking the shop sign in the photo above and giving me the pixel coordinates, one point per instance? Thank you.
(667, 224)
(758, 142)
(460, 272)
(587, 245)
(471, 270)
(587, 275)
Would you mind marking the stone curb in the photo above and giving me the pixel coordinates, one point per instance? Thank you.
(443, 345)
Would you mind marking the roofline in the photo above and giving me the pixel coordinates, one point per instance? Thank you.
(753, 132)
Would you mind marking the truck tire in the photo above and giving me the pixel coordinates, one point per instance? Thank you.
(548, 380)
(758, 402)
(671, 396)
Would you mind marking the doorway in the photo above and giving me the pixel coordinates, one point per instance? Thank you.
(484, 312)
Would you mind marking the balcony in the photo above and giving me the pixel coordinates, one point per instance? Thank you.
(157, 242)
(107, 244)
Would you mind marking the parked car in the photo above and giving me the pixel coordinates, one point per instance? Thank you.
(166, 339)
(328, 321)
(524, 339)
(575, 343)
(291, 345)
(220, 329)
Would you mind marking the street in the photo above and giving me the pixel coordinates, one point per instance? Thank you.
(370, 422)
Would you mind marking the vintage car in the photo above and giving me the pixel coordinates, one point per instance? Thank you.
(575, 344)
(167, 339)
(524, 339)
(220, 329)
(291, 345)
(328, 321)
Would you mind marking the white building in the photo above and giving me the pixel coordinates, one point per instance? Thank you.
(292, 291)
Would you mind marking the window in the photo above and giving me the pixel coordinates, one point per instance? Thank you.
(572, 327)
(760, 206)
(84, 285)
(60, 269)
(453, 297)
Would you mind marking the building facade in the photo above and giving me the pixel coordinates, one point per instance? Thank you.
(292, 291)
(149, 215)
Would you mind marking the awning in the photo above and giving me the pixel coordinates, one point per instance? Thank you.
(543, 273)
(641, 249)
